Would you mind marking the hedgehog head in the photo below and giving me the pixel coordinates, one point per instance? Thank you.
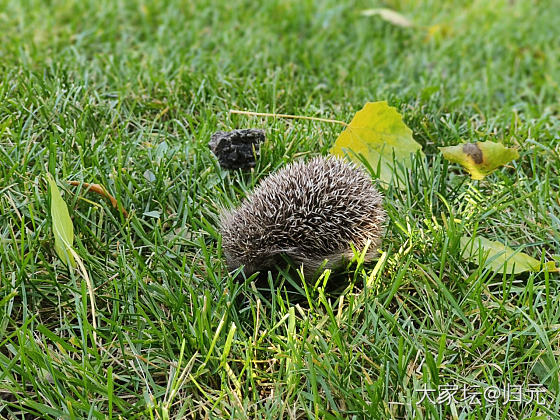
(308, 211)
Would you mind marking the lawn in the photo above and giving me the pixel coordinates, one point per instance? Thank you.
(127, 94)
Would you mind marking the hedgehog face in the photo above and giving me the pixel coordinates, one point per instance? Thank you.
(243, 247)
(307, 211)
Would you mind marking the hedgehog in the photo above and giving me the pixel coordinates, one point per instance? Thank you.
(312, 212)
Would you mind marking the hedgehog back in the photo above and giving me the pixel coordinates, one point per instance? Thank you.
(309, 211)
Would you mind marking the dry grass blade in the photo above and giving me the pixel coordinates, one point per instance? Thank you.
(298, 117)
(100, 189)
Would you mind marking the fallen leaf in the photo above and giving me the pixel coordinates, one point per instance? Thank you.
(63, 228)
(378, 133)
(498, 256)
(390, 16)
(480, 158)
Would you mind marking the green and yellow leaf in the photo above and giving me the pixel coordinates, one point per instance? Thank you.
(480, 158)
(378, 133)
(500, 257)
(63, 228)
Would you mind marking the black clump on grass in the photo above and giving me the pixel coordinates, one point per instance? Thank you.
(236, 149)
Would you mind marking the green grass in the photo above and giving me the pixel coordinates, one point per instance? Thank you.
(127, 94)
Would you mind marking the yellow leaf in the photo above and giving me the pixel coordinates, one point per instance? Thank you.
(63, 228)
(480, 158)
(378, 133)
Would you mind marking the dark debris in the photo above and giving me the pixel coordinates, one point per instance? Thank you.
(234, 149)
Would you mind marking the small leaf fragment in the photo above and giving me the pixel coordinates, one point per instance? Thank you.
(480, 158)
(378, 132)
(498, 256)
(149, 175)
(154, 213)
(390, 16)
(63, 228)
